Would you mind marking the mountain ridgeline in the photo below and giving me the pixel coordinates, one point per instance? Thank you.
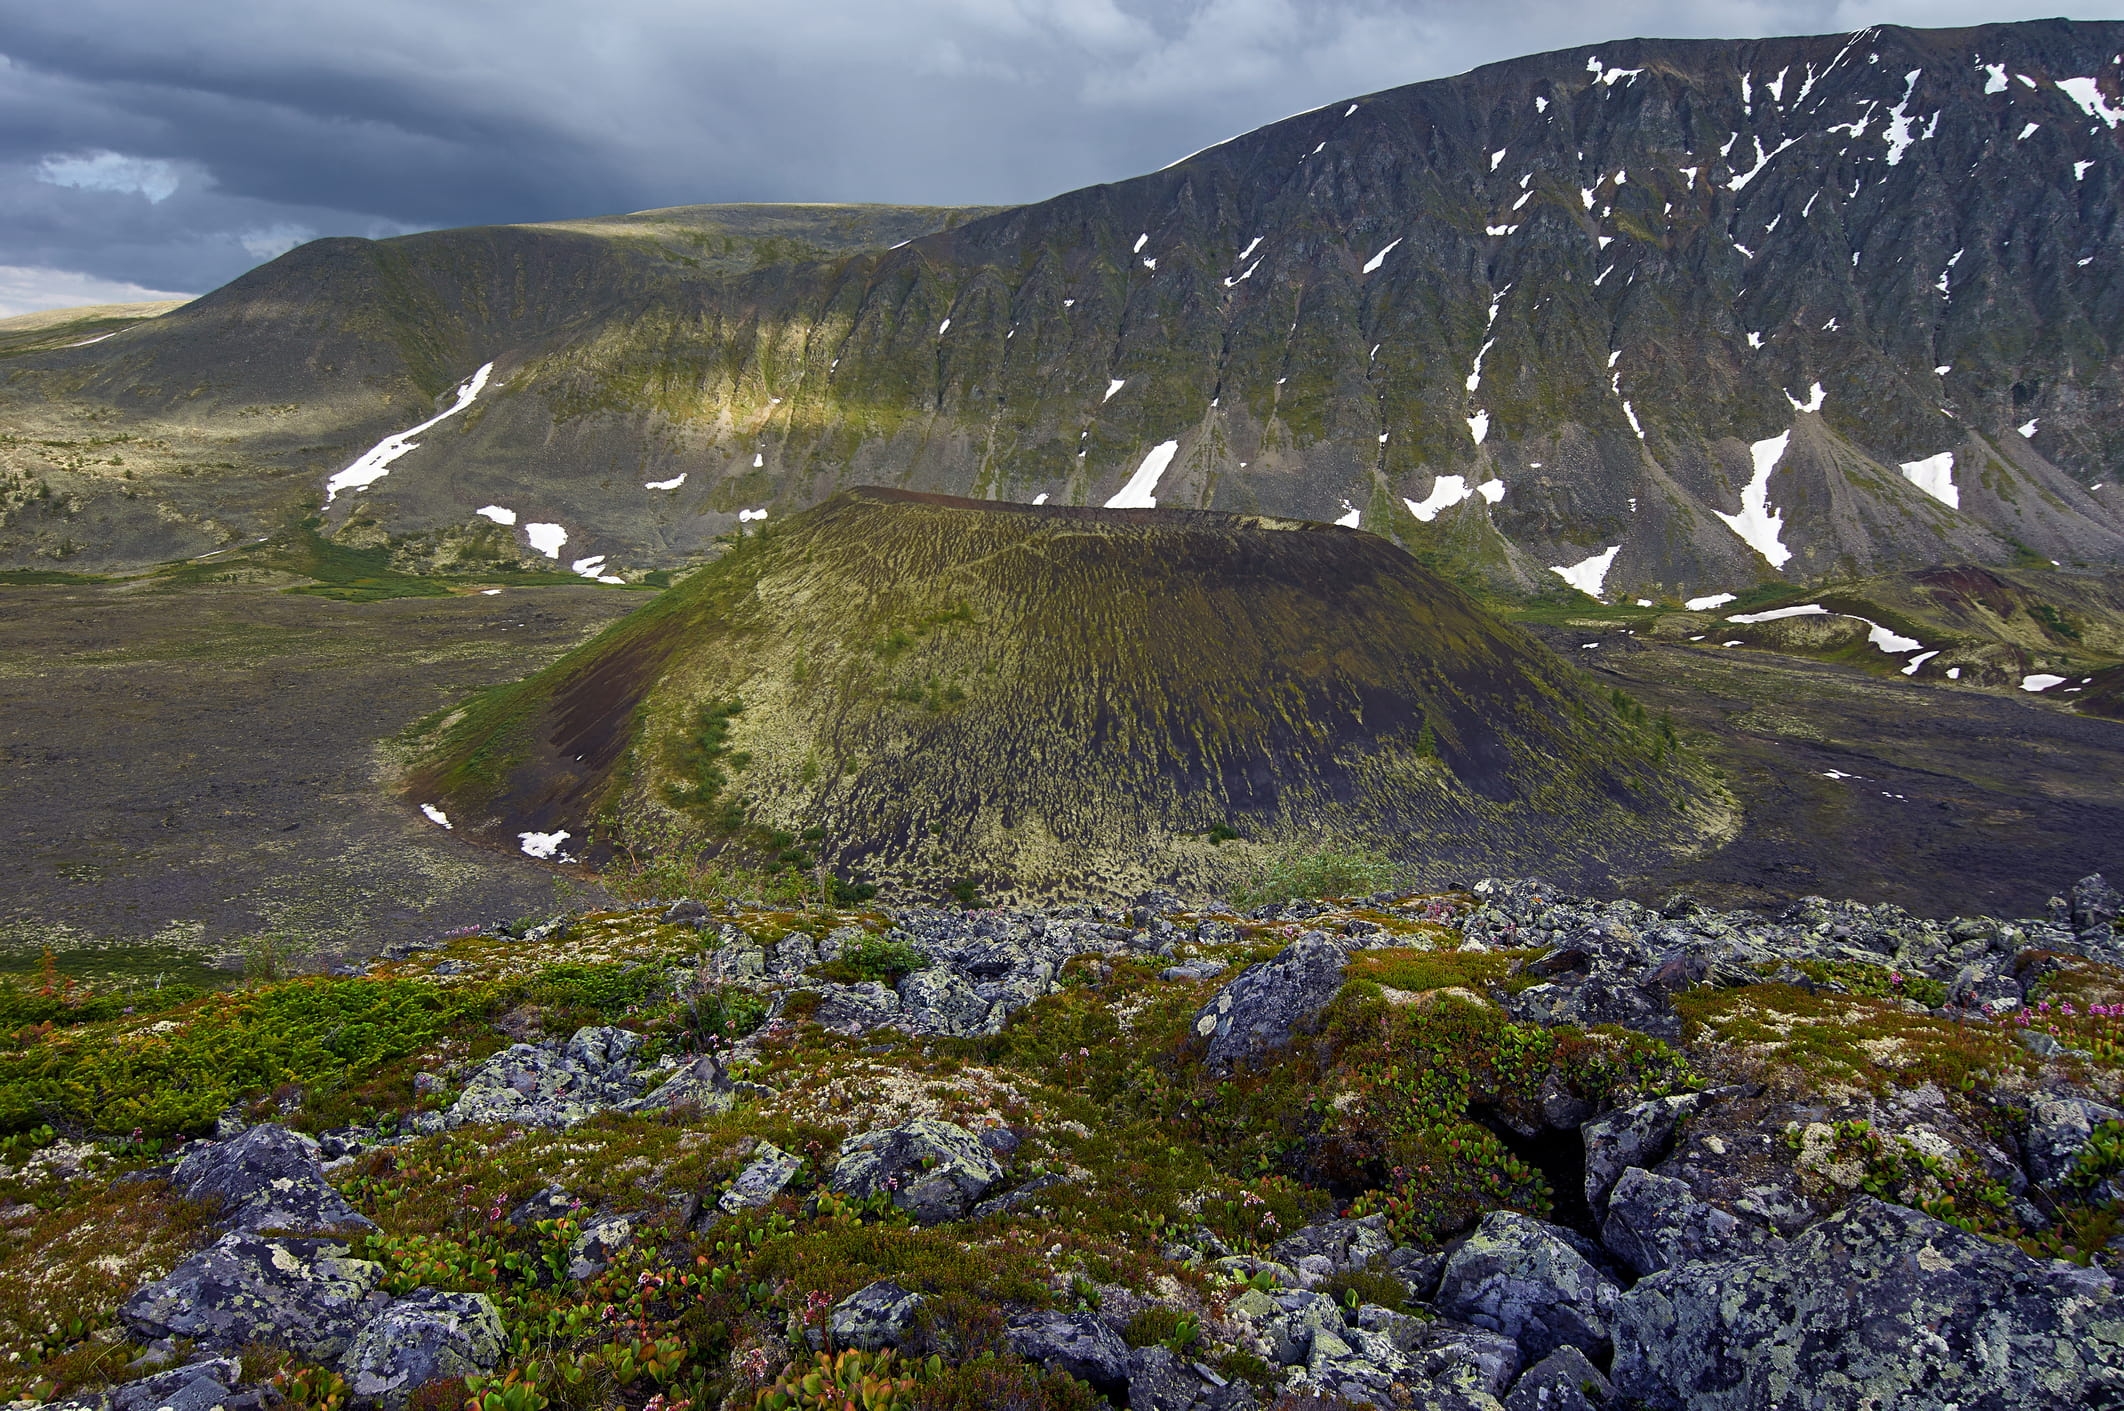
(1039, 698)
(1676, 317)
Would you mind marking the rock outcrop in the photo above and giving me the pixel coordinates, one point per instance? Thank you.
(1876, 1305)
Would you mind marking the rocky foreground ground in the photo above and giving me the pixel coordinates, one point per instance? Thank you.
(1499, 1147)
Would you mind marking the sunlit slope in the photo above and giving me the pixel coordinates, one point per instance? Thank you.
(1043, 697)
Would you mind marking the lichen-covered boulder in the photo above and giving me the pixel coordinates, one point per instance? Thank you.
(427, 1336)
(1462, 1366)
(1563, 1381)
(1877, 1305)
(539, 1087)
(1330, 1247)
(1075, 1343)
(700, 1085)
(1655, 1222)
(763, 1178)
(2059, 1128)
(1528, 1280)
(1638, 1135)
(601, 1238)
(307, 1296)
(268, 1178)
(857, 1008)
(941, 1000)
(934, 1170)
(875, 1317)
(211, 1384)
(1259, 1010)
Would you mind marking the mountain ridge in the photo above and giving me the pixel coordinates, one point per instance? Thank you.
(1595, 280)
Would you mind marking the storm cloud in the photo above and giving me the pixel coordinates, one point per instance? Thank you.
(168, 145)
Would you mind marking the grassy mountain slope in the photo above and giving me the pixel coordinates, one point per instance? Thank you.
(1042, 697)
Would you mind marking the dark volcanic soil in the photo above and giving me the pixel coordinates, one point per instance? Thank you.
(203, 763)
(1961, 802)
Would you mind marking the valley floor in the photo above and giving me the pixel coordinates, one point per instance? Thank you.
(201, 763)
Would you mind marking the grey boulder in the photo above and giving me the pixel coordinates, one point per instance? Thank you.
(539, 1087)
(427, 1336)
(268, 1178)
(701, 1085)
(875, 1317)
(763, 1178)
(1321, 1251)
(2059, 1128)
(1565, 1380)
(304, 1295)
(1528, 1280)
(1074, 1343)
(1465, 1366)
(857, 1008)
(1259, 1011)
(207, 1385)
(934, 1170)
(1877, 1305)
(1655, 1222)
(1639, 1135)
(601, 1237)
(942, 1001)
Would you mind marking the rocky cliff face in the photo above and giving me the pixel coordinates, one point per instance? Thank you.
(1672, 316)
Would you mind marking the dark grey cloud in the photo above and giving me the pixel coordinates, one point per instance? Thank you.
(171, 144)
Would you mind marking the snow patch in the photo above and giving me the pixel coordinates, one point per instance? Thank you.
(375, 463)
(1919, 660)
(1762, 159)
(1935, 476)
(2092, 100)
(544, 846)
(1379, 259)
(749, 516)
(1587, 575)
(1749, 619)
(1349, 520)
(1994, 78)
(2028, 427)
(435, 815)
(1479, 426)
(2041, 681)
(1759, 526)
(1041, 498)
(1137, 494)
(1815, 397)
(1714, 601)
(2029, 131)
(546, 538)
(672, 484)
(497, 514)
(588, 568)
(1446, 491)
(1141, 241)
(1491, 490)
(1112, 387)
(1898, 136)
(943, 328)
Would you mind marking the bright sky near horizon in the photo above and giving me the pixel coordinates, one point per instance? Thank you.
(158, 147)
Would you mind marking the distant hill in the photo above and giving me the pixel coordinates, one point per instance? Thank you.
(1038, 697)
(1651, 318)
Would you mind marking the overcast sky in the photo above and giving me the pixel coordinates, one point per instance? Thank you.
(153, 146)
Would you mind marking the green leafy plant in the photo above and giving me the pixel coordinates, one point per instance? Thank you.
(848, 1381)
(872, 958)
(513, 1391)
